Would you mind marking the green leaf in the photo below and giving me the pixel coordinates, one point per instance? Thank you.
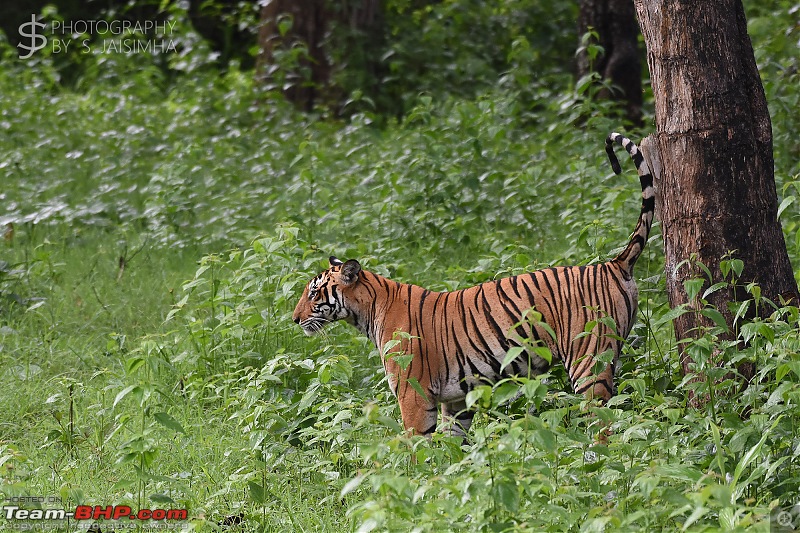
(132, 364)
(391, 343)
(785, 368)
(257, 492)
(351, 485)
(37, 305)
(752, 330)
(679, 472)
(512, 353)
(741, 309)
(123, 393)
(534, 390)
(738, 265)
(545, 439)
(766, 331)
(503, 392)
(161, 498)
(585, 82)
(692, 287)
(168, 422)
(750, 456)
(309, 396)
(324, 374)
(545, 326)
(714, 288)
(403, 360)
(417, 387)
(481, 394)
(721, 459)
(696, 515)
(636, 384)
(506, 494)
(671, 315)
(784, 204)
(285, 23)
(716, 316)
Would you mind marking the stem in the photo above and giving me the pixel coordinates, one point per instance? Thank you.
(71, 424)
(711, 399)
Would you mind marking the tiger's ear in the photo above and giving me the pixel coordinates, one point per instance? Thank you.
(349, 273)
(334, 261)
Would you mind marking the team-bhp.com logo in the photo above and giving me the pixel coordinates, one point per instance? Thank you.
(24, 518)
(127, 36)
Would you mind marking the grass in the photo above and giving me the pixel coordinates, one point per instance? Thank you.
(180, 380)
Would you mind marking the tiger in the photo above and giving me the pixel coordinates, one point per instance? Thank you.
(459, 339)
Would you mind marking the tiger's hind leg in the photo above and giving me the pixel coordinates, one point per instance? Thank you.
(597, 385)
(592, 378)
(602, 388)
(458, 417)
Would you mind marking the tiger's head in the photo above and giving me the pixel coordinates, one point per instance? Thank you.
(325, 298)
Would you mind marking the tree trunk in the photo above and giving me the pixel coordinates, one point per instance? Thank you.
(615, 23)
(714, 141)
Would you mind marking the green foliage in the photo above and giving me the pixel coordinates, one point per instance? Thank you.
(166, 219)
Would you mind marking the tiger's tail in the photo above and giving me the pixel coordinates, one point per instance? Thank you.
(627, 258)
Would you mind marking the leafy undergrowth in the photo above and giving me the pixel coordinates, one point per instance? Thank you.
(124, 383)
(318, 420)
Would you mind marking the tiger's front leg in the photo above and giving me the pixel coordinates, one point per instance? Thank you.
(419, 414)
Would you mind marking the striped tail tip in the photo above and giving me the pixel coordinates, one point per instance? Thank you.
(638, 240)
(612, 157)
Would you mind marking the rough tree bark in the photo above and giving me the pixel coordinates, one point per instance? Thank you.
(615, 23)
(714, 141)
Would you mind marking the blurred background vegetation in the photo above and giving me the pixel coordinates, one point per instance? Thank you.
(345, 57)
